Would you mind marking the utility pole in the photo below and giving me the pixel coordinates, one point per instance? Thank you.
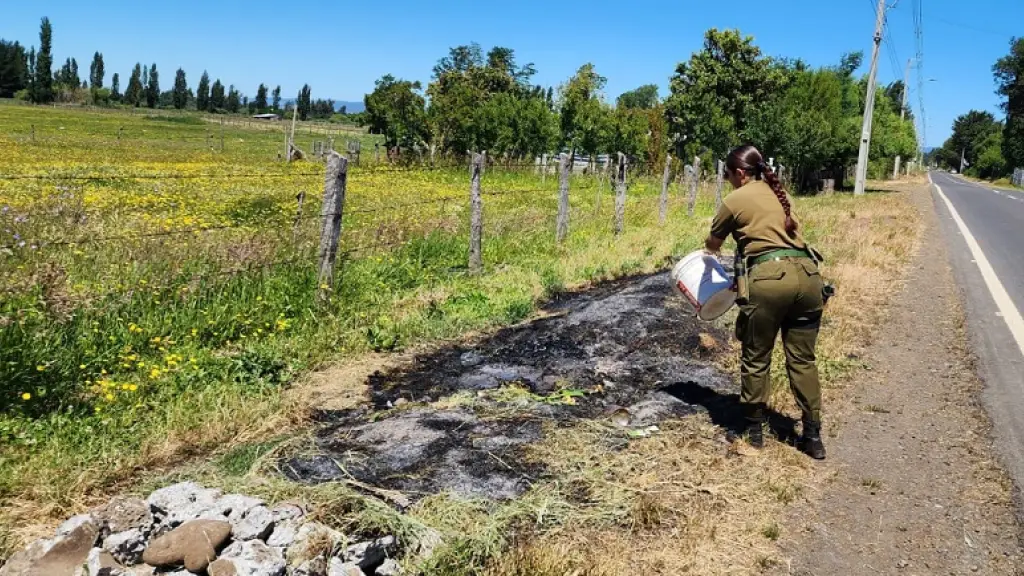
(903, 112)
(869, 105)
(963, 160)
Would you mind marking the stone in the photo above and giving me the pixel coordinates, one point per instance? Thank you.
(194, 544)
(316, 567)
(339, 568)
(369, 555)
(249, 558)
(257, 523)
(101, 563)
(312, 540)
(471, 359)
(287, 511)
(127, 546)
(284, 533)
(71, 524)
(61, 556)
(179, 503)
(390, 567)
(232, 507)
(122, 514)
(425, 543)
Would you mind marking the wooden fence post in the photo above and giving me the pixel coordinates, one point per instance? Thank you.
(376, 153)
(333, 207)
(221, 134)
(694, 183)
(718, 185)
(543, 168)
(301, 197)
(563, 199)
(34, 134)
(476, 217)
(665, 179)
(620, 195)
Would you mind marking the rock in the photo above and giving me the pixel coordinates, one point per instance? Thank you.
(71, 524)
(287, 511)
(122, 514)
(179, 503)
(425, 543)
(470, 359)
(232, 507)
(101, 563)
(256, 524)
(369, 555)
(339, 568)
(284, 533)
(315, 567)
(61, 556)
(390, 567)
(249, 558)
(127, 547)
(194, 544)
(312, 540)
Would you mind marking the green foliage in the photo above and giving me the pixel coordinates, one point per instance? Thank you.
(233, 102)
(115, 87)
(397, 110)
(644, 98)
(990, 163)
(180, 90)
(277, 98)
(261, 99)
(133, 94)
(972, 134)
(96, 71)
(717, 91)
(586, 120)
(217, 99)
(13, 68)
(203, 93)
(153, 88)
(1009, 75)
(42, 86)
(303, 103)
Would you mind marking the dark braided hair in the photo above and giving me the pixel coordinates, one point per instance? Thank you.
(749, 159)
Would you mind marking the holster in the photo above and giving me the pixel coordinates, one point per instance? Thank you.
(741, 279)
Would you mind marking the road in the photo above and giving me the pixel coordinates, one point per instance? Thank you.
(984, 228)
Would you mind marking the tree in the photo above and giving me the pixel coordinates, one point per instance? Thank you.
(180, 92)
(586, 120)
(396, 109)
(277, 98)
(643, 98)
(714, 93)
(233, 102)
(894, 94)
(217, 100)
(261, 99)
(115, 87)
(322, 109)
(203, 93)
(42, 85)
(153, 89)
(303, 103)
(133, 95)
(96, 71)
(973, 133)
(1009, 75)
(14, 74)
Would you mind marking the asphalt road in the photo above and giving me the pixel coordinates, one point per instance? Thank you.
(984, 228)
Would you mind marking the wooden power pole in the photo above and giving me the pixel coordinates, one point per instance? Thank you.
(869, 104)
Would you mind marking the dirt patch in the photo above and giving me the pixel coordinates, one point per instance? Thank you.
(457, 419)
(913, 485)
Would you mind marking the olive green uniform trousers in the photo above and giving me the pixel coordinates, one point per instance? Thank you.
(785, 294)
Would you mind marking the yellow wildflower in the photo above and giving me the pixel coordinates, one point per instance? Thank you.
(26, 396)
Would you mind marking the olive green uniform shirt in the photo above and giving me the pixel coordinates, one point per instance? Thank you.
(756, 220)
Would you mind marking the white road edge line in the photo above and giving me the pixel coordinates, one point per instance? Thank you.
(1006, 308)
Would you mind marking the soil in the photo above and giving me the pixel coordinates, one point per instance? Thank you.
(457, 419)
(914, 487)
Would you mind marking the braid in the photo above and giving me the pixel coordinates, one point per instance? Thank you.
(770, 178)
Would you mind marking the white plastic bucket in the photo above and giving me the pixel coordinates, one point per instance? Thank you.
(701, 279)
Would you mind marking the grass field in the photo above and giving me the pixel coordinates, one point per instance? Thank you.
(159, 299)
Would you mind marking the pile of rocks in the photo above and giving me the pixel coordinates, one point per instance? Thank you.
(188, 529)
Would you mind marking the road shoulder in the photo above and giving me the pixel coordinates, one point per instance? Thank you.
(912, 485)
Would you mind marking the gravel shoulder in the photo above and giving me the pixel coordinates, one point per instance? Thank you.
(912, 484)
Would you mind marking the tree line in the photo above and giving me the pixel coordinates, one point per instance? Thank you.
(725, 94)
(29, 75)
(982, 145)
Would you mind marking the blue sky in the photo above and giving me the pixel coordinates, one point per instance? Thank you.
(340, 48)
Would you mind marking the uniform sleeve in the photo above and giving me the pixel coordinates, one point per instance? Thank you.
(724, 223)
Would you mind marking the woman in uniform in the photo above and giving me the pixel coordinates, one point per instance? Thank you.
(782, 291)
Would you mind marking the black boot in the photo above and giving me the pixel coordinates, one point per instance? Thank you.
(810, 442)
(754, 432)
